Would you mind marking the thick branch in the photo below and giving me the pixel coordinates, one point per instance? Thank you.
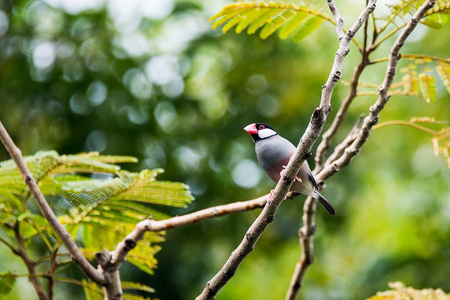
(47, 212)
(303, 151)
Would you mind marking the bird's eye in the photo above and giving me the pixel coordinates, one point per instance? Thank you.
(261, 127)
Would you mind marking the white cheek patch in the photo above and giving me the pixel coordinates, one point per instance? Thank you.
(265, 133)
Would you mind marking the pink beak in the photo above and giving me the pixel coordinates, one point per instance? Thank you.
(251, 129)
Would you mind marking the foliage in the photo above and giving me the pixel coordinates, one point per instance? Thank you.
(400, 292)
(440, 138)
(175, 94)
(298, 20)
(103, 206)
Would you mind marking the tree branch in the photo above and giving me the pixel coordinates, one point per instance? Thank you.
(29, 263)
(306, 233)
(130, 241)
(78, 258)
(383, 97)
(311, 134)
(112, 261)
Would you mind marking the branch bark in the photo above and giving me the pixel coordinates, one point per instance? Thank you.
(311, 134)
(306, 233)
(77, 257)
(112, 261)
(383, 98)
(29, 263)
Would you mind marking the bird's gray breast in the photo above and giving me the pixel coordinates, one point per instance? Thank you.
(273, 153)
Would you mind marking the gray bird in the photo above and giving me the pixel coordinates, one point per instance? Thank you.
(273, 153)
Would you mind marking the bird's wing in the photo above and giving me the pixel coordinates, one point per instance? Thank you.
(313, 180)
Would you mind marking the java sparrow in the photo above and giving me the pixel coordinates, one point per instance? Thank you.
(273, 153)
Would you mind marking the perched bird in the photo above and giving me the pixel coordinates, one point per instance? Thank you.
(273, 153)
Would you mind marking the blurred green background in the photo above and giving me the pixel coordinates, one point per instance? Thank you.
(151, 79)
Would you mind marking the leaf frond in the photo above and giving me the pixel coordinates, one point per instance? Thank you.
(297, 19)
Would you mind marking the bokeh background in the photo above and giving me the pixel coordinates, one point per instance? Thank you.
(152, 80)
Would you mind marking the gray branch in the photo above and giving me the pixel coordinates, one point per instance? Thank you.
(77, 256)
(352, 146)
(383, 97)
(303, 151)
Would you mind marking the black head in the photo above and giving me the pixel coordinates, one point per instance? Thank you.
(260, 131)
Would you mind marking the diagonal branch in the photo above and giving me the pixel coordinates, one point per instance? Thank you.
(303, 151)
(306, 233)
(383, 97)
(47, 212)
(130, 241)
(328, 135)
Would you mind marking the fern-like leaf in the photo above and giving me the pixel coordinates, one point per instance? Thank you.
(127, 285)
(400, 292)
(443, 70)
(427, 87)
(436, 17)
(419, 79)
(296, 20)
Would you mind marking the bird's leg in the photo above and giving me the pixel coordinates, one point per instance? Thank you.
(283, 171)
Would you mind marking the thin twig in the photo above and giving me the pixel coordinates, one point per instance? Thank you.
(420, 56)
(383, 98)
(406, 123)
(7, 244)
(29, 263)
(306, 234)
(51, 273)
(78, 258)
(129, 242)
(350, 138)
(338, 119)
(307, 231)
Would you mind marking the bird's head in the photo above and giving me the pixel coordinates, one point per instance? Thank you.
(260, 131)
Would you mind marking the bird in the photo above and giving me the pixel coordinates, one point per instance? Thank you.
(273, 153)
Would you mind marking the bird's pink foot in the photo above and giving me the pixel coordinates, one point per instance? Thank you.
(283, 172)
(272, 195)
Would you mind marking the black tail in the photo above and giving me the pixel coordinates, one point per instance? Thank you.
(325, 203)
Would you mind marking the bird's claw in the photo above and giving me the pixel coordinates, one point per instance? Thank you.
(283, 172)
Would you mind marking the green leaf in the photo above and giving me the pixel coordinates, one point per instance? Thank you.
(249, 18)
(436, 21)
(92, 291)
(271, 16)
(427, 87)
(306, 28)
(443, 70)
(7, 281)
(291, 25)
(259, 22)
(275, 23)
(223, 18)
(127, 285)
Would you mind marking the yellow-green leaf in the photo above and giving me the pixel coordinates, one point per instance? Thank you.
(427, 87)
(275, 23)
(248, 18)
(443, 70)
(259, 22)
(306, 28)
